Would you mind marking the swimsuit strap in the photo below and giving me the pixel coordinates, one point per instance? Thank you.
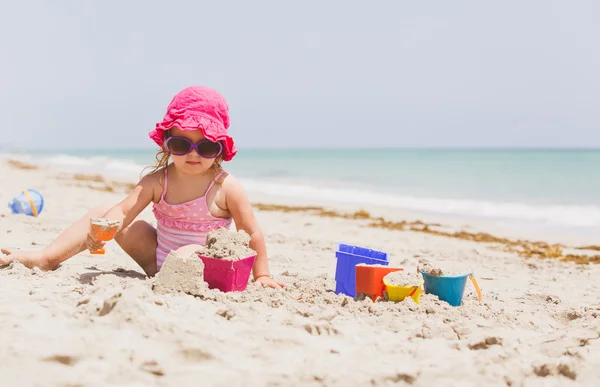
(212, 183)
(166, 183)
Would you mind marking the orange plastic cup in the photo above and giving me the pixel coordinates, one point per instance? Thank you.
(103, 230)
(369, 279)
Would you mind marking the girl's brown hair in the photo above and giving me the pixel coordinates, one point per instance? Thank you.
(162, 161)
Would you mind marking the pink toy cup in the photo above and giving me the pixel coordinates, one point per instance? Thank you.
(226, 275)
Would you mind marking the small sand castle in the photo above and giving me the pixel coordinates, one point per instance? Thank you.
(224, 244)
(181, 274)
(186, 273)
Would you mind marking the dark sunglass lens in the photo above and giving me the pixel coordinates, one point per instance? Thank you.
(209, 149)
(178, 146)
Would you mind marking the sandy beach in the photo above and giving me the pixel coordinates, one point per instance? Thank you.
(97, 321)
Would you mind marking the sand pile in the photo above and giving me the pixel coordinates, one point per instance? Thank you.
(433, 271)
(438, 272)
(181, 274)
(186, 273)
(306, 296)
(224, 244)
(403, 278)
(104, 224)
(99, 302)
(18, 269)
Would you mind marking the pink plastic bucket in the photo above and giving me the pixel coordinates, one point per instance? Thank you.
(226, 275)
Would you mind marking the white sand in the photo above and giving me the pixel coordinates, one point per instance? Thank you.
(180, 274)
(403, 278)
(96, 321)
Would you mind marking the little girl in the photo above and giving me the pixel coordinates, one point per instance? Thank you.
(191, 195)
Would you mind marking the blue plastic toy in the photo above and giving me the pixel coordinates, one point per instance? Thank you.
(449, 288)
(348, 256)
(29, 202)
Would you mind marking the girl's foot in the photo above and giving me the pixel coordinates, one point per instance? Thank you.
(29, 259)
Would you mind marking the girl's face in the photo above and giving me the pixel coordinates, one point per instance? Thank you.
(191, 153)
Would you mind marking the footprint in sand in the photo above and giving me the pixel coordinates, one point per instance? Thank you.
(195, 355)
(545, 370)
(485, 344)
(151, 366)
(62, 359)
(321, 328)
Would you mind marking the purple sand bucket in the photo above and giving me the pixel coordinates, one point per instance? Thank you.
(448, 288)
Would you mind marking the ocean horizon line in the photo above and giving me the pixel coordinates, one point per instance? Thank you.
(332, 148)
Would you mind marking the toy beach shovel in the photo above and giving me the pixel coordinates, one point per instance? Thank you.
(103, 230)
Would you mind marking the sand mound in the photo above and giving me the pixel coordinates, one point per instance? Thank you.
(403, 278)
(181, 274)
(224, 244)
(104, 224)
(17, 268)
(100, 301)
(433, 271)
(131, 305)
(186, 274)
(438, 272)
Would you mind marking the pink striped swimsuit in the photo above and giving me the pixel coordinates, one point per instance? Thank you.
(183, 224)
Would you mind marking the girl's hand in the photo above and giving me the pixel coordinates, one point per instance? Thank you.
(267, 281)
(92, 244)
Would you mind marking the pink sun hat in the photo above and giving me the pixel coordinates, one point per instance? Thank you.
(198, 107)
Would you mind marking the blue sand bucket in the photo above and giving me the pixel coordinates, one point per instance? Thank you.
(448, 288)
(348, 256)
(29, 202)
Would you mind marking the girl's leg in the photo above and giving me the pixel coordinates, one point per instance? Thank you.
(138, 240)
(67, 244)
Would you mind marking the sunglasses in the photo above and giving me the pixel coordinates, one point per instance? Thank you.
(180, 146)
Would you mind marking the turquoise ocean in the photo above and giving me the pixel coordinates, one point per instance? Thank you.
(551, 188)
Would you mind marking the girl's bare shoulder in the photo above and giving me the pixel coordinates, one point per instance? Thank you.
(156, 181)
(231, 186)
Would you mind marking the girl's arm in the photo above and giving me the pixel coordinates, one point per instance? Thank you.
(130, 207)
(243, 216)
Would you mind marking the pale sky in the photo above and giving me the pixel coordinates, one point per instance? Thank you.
(77, 74)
